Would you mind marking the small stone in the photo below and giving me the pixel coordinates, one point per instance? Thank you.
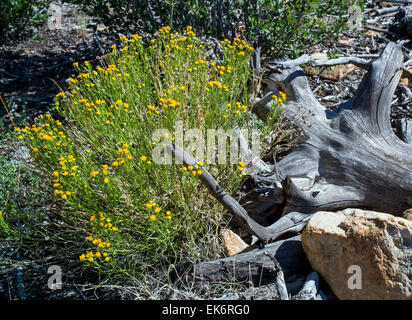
(319, 56)
(346, 41)
(370, 33)
(385, 4)
(232, 242)
(407, 214)
(334, 73)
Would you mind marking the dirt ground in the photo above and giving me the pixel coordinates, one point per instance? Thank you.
(33, 71)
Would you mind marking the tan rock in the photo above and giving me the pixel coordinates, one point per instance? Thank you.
(377, 245)
(319, 56)
(334, 73)
(232, 242)
(370, 33)
(385, 4)
(346, 41)
(404, 81)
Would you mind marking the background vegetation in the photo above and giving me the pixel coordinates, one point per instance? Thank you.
(281, 27)
(19, 17)
(276, 25)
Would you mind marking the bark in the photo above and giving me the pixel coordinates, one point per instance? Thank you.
(257, 266)
(351, 157)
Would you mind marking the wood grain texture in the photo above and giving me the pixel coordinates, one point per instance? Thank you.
(351, 157)
(255, 266)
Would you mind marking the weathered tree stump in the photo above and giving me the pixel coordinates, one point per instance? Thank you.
(350, 158)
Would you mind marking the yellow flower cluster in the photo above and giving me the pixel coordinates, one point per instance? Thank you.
(237, 44)
(99, 221)
(169, 102)
(67, 169)
(194, 170)
(72, 81)
(133, 38)
(151, 205)
(123, 150)
(201, 61)
(222, 69)
(189, 31)
(237, 108)
(45, 137)
(89, 256)
(241, 167)
(165, 30)
(60, 95)
(110, 69)
(281, 99)
(176, 41)
(103, 222)
(152, 108)
(217, 84)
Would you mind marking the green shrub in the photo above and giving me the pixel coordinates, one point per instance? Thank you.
(128, 211)
(18, 17)
(278, 25)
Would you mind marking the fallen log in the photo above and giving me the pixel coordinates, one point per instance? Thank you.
(257, 267)
(349, 158)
